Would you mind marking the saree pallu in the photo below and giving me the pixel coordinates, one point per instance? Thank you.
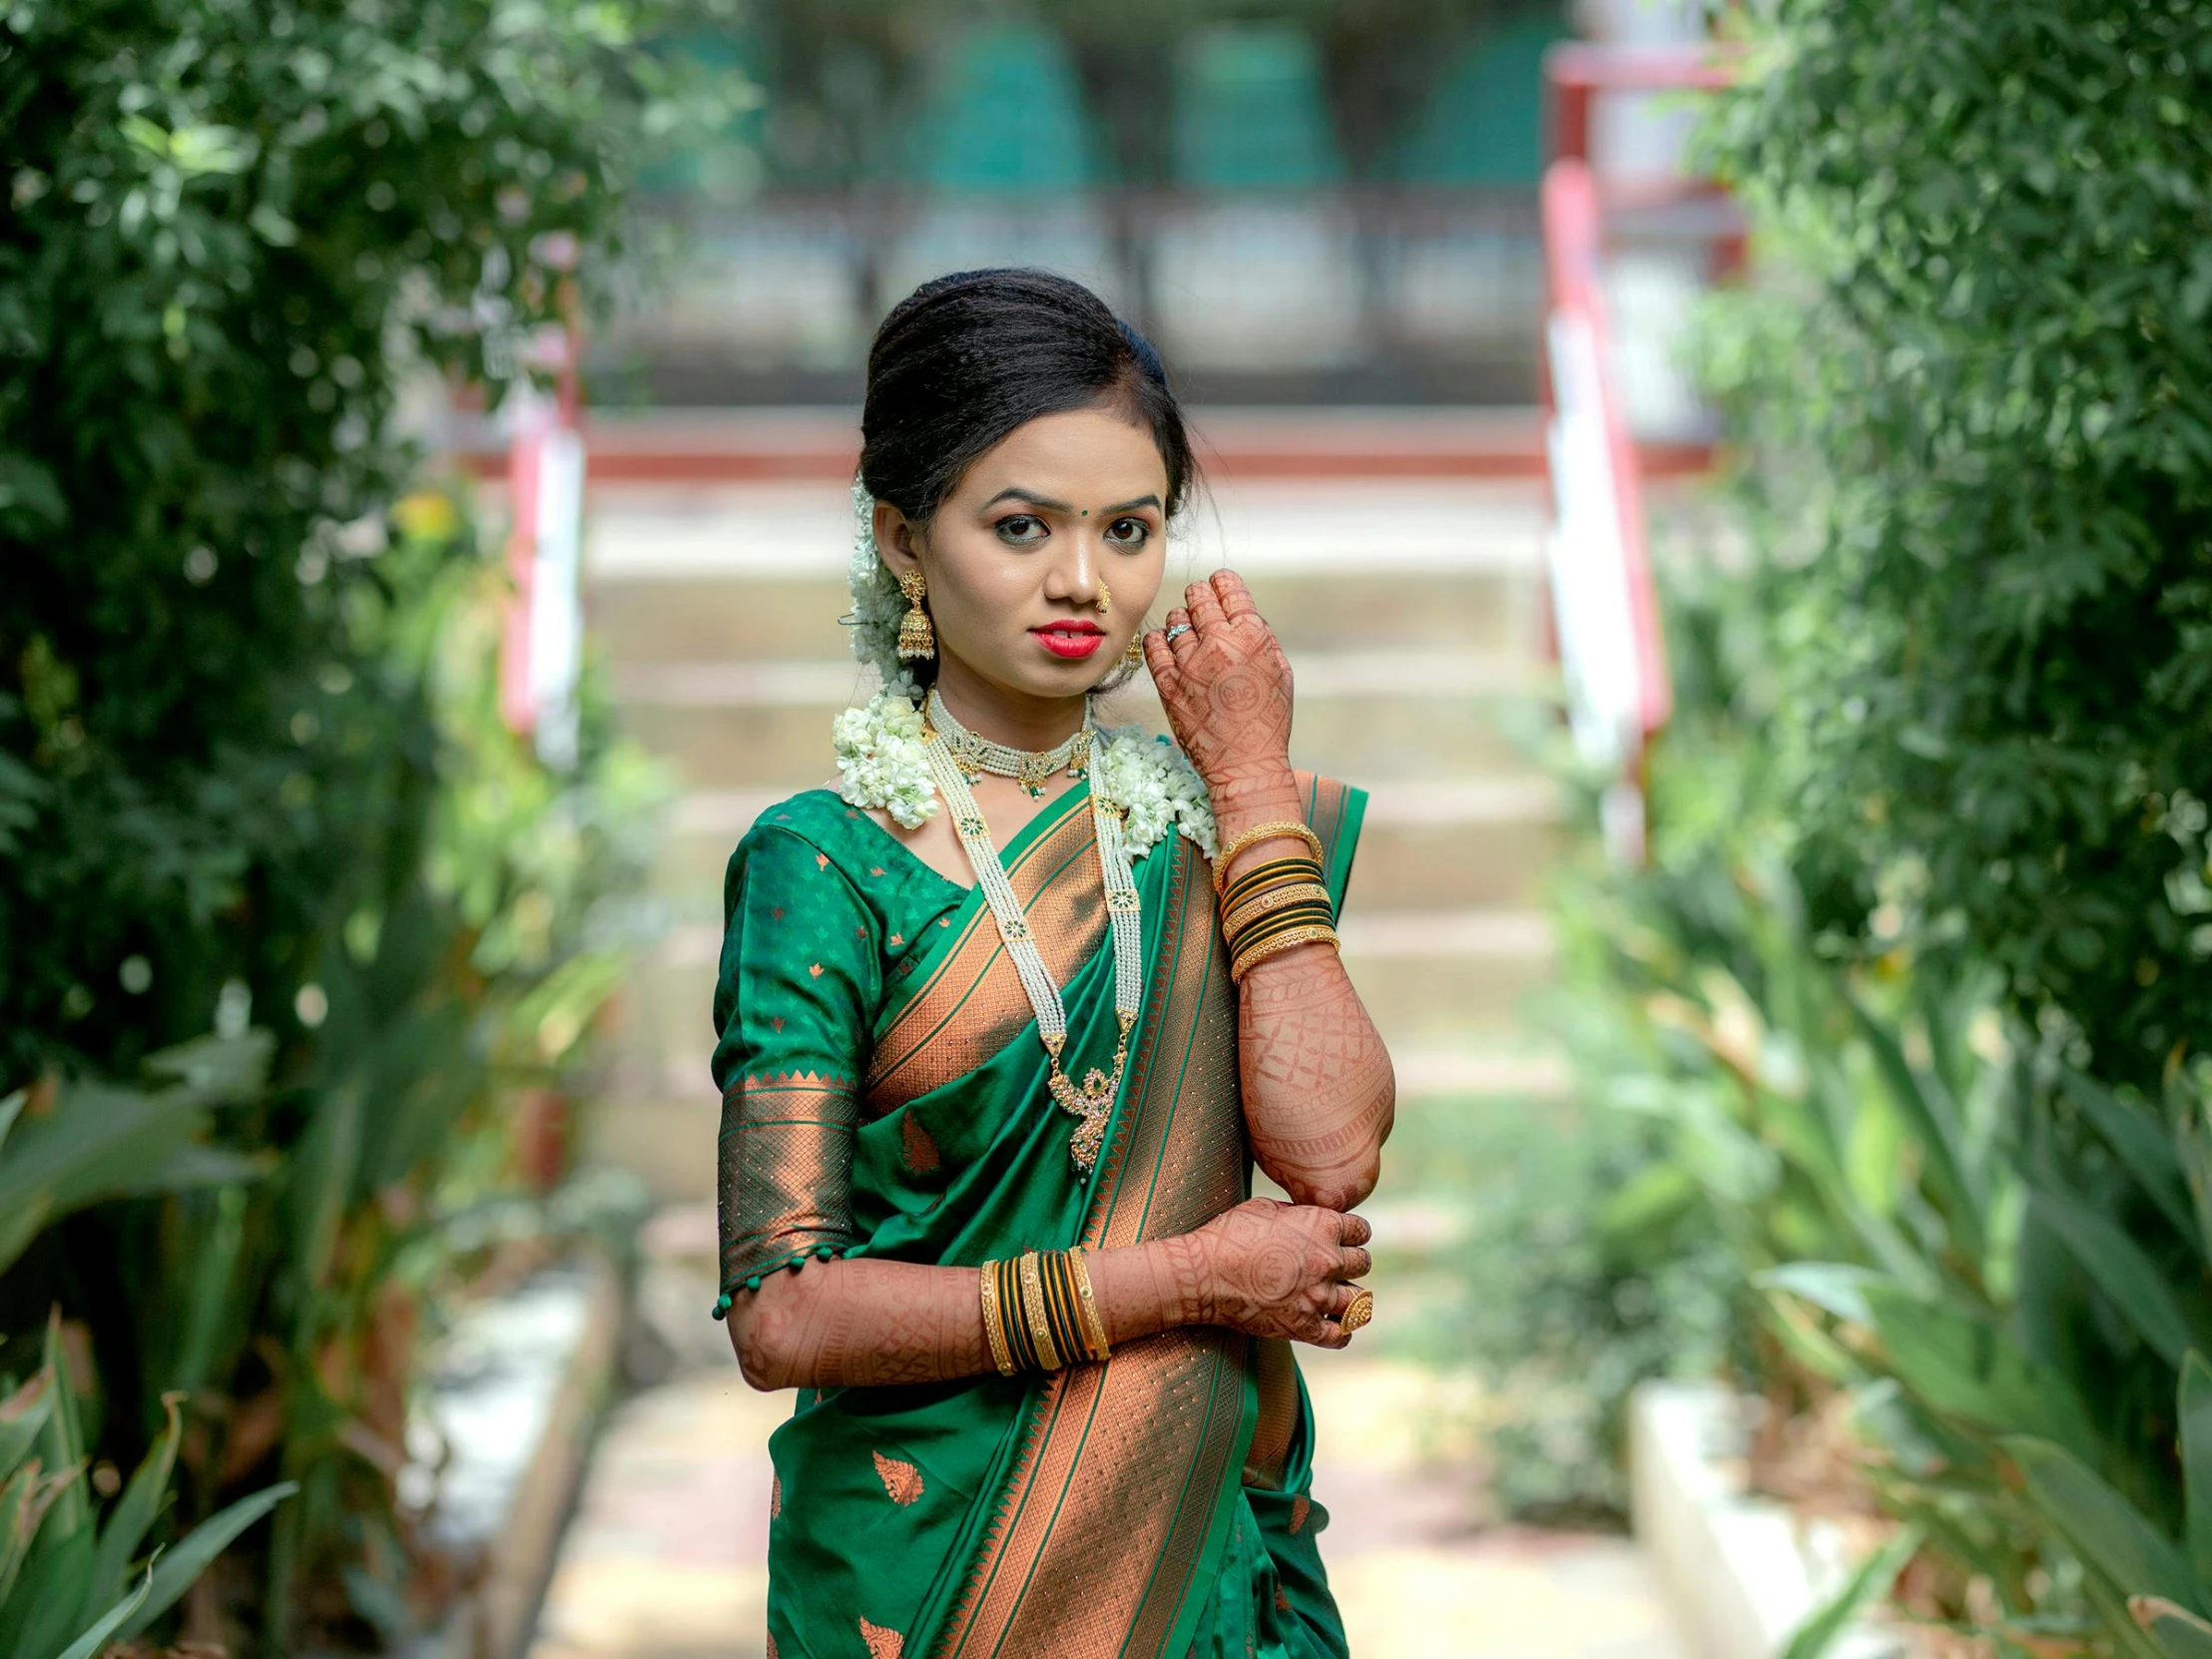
(885, 1095)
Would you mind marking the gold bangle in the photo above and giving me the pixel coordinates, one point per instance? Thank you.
(1273, 899)
(1094, 1323)
(1267, 947)
(1289, 917)
(994, 1331)
(1012, 1325)
(1262, 833)
(1032, 1303)
(1269, 872)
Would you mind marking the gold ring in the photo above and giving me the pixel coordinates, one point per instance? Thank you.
(1361, 1311)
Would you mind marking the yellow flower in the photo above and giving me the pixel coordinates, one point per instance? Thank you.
(426, 515)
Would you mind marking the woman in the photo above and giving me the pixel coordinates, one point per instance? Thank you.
(1007, 1015)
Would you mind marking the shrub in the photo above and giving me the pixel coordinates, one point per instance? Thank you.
(252, 776)
(1988, 427)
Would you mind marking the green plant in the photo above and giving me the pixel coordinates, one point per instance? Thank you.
(71, 1577)
(1577, 1278)
(251, 776)
(1982, 410)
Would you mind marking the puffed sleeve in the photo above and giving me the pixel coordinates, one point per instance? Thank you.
(798, 980)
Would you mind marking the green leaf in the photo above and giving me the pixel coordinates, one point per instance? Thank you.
(1933, 1116)
(180, 1565)
(92, 1640)
(2118, 1266)
(1873, 1578)
(2195, 1412)
(132, 1515)
(2179, 1632)
(1960, 1364)
(62, 1443)
(2101, 1526)
(2142, 1144)
(11, 1109)
(22, 1415)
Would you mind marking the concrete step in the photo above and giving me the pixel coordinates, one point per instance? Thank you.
(1473, 843)
(776, 619)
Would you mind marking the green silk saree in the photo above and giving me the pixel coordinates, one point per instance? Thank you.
(885, 1094)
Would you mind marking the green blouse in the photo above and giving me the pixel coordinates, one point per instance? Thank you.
(822, 912)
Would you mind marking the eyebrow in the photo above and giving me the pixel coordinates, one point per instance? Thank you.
(1017, 493)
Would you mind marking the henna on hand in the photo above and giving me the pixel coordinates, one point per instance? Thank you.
(1226, 686)
(1280, 1270)
(1319, 1092)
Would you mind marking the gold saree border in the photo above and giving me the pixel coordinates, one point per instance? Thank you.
(1113, 1500)
(971, 1004)
(1114, 1497)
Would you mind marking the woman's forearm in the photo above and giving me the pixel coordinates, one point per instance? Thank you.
(869, 1323)
(1319, 1092)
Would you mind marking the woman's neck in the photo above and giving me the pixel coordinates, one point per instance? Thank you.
(1017, 719)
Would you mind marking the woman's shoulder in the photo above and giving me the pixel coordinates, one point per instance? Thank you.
(814, 820)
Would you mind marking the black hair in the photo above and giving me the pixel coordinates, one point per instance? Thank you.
(964, 359)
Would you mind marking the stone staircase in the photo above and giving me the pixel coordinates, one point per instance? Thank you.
(1410, 611)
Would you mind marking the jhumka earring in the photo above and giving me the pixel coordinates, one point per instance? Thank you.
(915, 637)
(1134, 656)
(1105, 597)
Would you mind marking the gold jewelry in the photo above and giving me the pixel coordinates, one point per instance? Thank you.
(1105, 597)
(916, 639)
(1133, 655)
(1260, 877)
(1359, 1311)
(1274, 898)
(1086, 1302)
(1032, 1304)
(1260, 952)
(1021, 1348)
(994, 1330)
(1252, 836)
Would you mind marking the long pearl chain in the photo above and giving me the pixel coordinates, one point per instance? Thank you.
(949, 748)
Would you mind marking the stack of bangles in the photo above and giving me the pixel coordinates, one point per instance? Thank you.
(1272, 905)
(1039, 1313)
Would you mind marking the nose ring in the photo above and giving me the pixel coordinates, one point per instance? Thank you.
(1105, 597)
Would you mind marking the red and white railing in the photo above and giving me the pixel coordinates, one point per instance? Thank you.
(1605, 603)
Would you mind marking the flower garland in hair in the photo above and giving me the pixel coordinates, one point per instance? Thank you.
(880, 762)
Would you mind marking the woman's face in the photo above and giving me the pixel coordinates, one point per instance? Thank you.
(1042, 562)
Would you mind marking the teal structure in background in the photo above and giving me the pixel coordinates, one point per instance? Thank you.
(1004, 115)
(1252, 113)
(1483, 125)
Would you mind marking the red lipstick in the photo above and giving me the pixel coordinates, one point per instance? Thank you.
(1071, 638)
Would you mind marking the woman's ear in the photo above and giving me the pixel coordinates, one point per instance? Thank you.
(897, 539)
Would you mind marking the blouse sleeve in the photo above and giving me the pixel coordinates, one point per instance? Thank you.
(799, 977)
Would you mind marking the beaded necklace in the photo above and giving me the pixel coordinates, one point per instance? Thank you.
(956, 755)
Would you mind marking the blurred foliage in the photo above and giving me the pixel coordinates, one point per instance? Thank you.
(72, 1576)
(1984, 410)
(1583, 1276)
(290, 923)
(848, 73)
(1912, 980)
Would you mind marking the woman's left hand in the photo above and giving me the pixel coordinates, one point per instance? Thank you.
(1227, 688)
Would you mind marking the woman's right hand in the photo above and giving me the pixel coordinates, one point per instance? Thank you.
(1282, 1270)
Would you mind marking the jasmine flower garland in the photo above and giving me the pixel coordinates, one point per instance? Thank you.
(882, 764)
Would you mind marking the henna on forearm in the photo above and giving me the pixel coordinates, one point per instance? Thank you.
(1318, 1093)
(868, 1324)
